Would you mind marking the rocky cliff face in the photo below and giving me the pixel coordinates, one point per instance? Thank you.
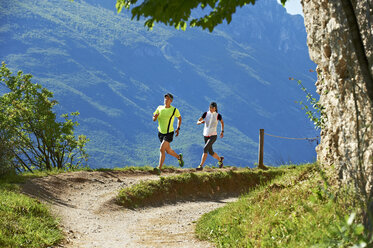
(347, 139)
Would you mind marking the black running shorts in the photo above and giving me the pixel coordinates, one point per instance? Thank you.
(167, 137)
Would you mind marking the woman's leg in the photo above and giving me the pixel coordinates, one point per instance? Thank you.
(209, 141)
(211, 151)
(203, 158)
(215, 155)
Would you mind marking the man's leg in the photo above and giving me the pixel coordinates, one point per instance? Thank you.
(162, 152)
(170, 151)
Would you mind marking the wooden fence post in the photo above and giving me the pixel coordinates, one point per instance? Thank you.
(261, 149)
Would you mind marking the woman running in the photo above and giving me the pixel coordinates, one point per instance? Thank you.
(211, 119)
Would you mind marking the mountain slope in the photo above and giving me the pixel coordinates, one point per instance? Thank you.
(115, 73)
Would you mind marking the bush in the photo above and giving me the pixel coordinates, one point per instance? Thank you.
(35, 138)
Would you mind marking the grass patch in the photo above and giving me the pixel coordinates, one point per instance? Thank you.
(24, 222)
(295, 210)
(191, 186)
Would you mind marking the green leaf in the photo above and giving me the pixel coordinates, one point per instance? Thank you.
(359, 229)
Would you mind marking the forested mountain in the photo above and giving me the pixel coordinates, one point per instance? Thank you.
(115, 73)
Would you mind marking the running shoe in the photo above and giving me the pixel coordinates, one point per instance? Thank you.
(199, 168)
(220, 163)
(181, 161)
(157, 170)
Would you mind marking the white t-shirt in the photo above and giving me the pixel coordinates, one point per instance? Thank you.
(211, 122)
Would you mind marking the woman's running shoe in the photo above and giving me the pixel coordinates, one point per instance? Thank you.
(199, 168)
(220, 163)
(157, 170)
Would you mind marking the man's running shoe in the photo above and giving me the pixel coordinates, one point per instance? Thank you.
(199, 168)
(157, 170)
(181, 161)
(220, 163)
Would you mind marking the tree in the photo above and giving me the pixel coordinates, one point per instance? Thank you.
(177, 13)
(358, 45)
(34, 138)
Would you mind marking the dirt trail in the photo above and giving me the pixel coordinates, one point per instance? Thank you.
(84, 203)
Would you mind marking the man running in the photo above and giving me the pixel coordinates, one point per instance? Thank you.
(211, 119)
(165, 114)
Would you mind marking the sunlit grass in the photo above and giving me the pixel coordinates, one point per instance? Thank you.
(295, 210)
(24, 222)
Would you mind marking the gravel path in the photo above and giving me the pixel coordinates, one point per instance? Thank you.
(89, 217)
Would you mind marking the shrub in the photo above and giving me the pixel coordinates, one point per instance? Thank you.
(35, 138)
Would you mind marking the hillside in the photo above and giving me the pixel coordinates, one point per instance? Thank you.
(115, 73)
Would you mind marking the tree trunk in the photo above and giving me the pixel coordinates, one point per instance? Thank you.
(358, 45)
(340, 41)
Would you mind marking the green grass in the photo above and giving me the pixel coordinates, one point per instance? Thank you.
(295, 210)
(24, 222)
(192, 186)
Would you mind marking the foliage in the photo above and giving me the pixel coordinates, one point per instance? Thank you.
(295, 210)
(35, 139)
(314, 110)
(350, 234)
(177, 13)
(25, 222)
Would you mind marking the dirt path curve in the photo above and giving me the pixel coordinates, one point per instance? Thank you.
(84, 203)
